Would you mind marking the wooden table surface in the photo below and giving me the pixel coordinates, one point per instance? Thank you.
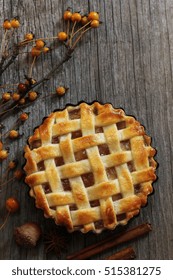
(127, 61)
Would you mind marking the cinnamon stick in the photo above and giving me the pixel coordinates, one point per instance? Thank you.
(111, 241)
(124, 254)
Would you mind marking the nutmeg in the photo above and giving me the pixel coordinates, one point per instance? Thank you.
(27, 234)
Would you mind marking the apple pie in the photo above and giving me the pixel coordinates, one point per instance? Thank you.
(90, 167)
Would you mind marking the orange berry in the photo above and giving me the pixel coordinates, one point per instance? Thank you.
(12, 205)
(15, 23)
(3, 154)
(15, 96)
(93, 16)
(60, 90)
(35, 52)
(6, 96)
(22, 101)
(62, 36)
(30, 81)
(29, 36)
(46, 49)
(32, 95)
(95, 23)
(7, 24)
(24, 117)
(22, 88)
(13, 134)
(12, 164)
(76, 17)
(84, 20)
(67, 15)
(18, 174)
(39, 44)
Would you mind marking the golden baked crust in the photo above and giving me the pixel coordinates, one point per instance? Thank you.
(90, 167)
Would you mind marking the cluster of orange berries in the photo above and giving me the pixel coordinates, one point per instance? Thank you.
(7, 96)
(39, 48)
(92, 17)
(31, 96)
(13, 23)
(19, 95)
(14, 133)
(91, 20)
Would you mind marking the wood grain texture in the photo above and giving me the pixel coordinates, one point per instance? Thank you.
(128, 62)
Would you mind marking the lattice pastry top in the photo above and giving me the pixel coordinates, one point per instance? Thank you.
(90, 167)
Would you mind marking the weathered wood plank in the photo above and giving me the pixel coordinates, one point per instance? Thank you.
(128, 62)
